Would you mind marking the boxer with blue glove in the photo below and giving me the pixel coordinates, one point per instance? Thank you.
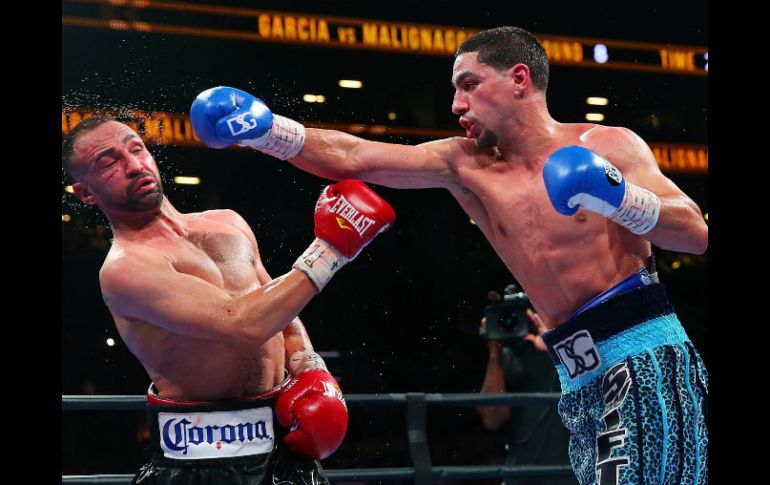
(225, 116)
(576, 177)
(634, 388)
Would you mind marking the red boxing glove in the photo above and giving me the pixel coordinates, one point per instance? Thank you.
(314, 410)
(348, 215)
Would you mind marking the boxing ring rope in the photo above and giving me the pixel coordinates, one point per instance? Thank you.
(416, 403)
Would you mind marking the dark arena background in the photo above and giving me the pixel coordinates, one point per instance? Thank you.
(404, 316)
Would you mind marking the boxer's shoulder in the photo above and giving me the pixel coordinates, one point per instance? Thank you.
(454, 151)
(607, 138)
(215, 217)
(219, 215)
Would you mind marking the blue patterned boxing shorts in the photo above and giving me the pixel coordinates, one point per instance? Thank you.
(634, 392)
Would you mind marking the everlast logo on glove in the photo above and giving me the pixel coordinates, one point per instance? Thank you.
(349, 213)
(334, 391)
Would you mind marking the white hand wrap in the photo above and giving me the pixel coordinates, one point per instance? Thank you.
(639, 210)
(283, 140)
(305, 360)
(319, 262)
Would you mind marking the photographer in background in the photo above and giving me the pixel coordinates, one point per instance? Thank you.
(519, 362)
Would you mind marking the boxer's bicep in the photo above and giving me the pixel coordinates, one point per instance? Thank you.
(149, 289)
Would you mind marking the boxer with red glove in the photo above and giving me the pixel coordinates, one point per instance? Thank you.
(311, 405)
(348, 215)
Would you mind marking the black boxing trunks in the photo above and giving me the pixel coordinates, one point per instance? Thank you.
(233, 442)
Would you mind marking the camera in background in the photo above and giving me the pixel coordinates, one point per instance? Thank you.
(507, 314)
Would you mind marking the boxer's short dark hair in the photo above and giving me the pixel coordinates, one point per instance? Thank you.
(504, 47)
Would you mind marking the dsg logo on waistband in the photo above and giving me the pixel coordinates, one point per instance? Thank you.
(578, 353)
(219, 434)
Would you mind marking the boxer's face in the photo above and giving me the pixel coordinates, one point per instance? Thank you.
(480, 99)
(115, 169)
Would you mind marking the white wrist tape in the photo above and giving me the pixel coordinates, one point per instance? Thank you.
(639, 210)
(319, 262)
(283, 140)
(303, 360)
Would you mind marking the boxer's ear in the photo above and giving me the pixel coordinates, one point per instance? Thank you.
(519, 75)
(83, 192)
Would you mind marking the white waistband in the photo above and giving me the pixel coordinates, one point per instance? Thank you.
(217, 434)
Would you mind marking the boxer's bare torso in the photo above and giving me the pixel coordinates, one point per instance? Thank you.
(561, 262)
(218, 248)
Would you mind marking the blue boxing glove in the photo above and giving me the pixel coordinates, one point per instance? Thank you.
(223, 116)
(575, 177)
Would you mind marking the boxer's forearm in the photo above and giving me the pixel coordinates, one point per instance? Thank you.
(262, 313)
(330, 154)
(295, 338)
(494, 382)
(337, 155)
(680, 227)
(651, 206)
(225, 116)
